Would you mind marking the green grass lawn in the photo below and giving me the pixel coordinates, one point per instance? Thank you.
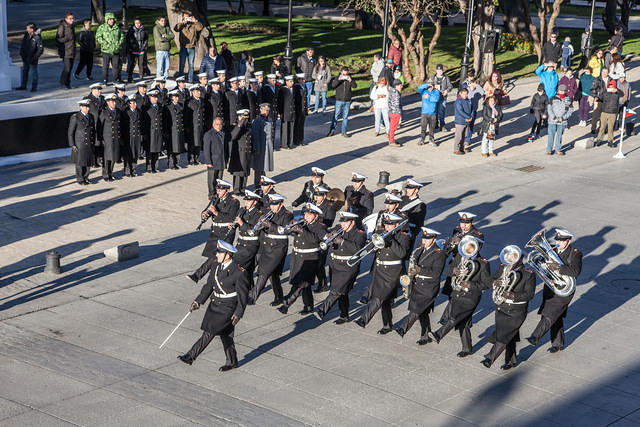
(345, 45)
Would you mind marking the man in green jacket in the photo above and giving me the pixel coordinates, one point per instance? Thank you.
(111, 41)
(162, 36)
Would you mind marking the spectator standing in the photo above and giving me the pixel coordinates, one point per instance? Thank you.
(625, 87)
(278, 67)
(491, 117)
(66, 42)
(321, 76)
(397, 74)
(570, 83)
(586, 101)
(548, 77)
(343, 85)
(462, 118)
(387, 72)
(494, 86)
(610, 103)
(162, 36)
(246, 66)
(617, 39)
(305, 64)
(228, 57)
(395, 111)
(212, 63)
(598, 88)
(616, 69)
(442, 83)
(395, 53)
(583, 42)
(30, 51)
(111, 41)
(596, 63)
(608, 55)
(262, 137)
(87, 42)
(137, 44)
(538, 107)
(380, 97)
(551, 50)
(559, 110)
(476, 92)
(189, 32)
(567, 53)
(430, 97)
(376, 68)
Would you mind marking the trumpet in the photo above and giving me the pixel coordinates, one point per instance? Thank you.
(287, 228)
(509, 256)
(377, 241)
(260, 224)
(336, 231)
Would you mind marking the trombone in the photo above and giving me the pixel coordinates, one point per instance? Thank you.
(287, 228)
(336, 231)
(377, 242)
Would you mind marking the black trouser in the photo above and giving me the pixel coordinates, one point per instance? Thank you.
(152, 161)
(595, 116)
(256, 177)
(298, 130)
(194, 154)
(332, 298)
(556, 328)
(321, 273)
(286, 134)
(82, 173)
(498, 348)
(114, 59)
(385, 306)
(212, 176)
(129, 164)
(86, 59)
(239, 183)
(65, 76)
(296, 291)
(132, 57)
(227, 343)
(411, 318)
(465, 332)
(107, 168)
(537, 123)
(430, 120)
(173, 160)
(262, 282)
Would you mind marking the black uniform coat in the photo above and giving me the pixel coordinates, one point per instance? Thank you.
(110, 133)
(286, 104)
(303, 267)
(217, 318)
(241, 150)
(247, 245)
(231, 107)
(133, 132)
(269, 94)
(264, 201)
(273, 251)
(366, 199)
(227, 212)
(307, 194)
(457, 231)
(252, 104)
(554, 306)
(142, 102)
(154, 128)
(328, 212)
(341, 276)
(163, 96)
(425, 288)
(175, 127)
(96, 105)
(184, 96)
(82, 135)
(415, 214)
(196, 114)
(217, 105)
(509, 317)
(463, 304)
(386, 277)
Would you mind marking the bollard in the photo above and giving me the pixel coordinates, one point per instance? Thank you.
(383, 179)
(53, 262)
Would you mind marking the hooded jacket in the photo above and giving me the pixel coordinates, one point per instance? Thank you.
(110, 37)
(66, 40)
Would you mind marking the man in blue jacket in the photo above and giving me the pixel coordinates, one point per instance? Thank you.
(463, 111)
(548, 77)
(430, 98)
(212, 63)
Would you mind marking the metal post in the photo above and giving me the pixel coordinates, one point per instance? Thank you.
(288, 50)
(386, 26)
(589, 47)
(124, 13)
(464, 64)
(620, 154)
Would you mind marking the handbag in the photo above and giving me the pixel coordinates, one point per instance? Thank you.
(491, 131)
(504, 100)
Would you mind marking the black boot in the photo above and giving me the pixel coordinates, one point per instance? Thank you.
(186, 358)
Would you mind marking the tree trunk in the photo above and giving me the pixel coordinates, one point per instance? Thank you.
(433, 41)
(265, 8)
(230, 7)
(554, 16)
(98, 12)
(198, 8)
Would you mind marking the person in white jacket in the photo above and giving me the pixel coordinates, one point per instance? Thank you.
(379, 96)
(616, 68)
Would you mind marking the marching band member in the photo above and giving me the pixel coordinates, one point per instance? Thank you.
(414, 208)
(317, 178)
(357, 184)
(267, 186)
(222, 210)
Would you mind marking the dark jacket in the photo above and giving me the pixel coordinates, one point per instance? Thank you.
(175, 127)
(305, 65)
(228, 59)
(214, 149)
(87, 41)
(286, 104)
(598, 87)
(132, 131)
(31, 47)
(343, 88)
(551, 52)
(210, 65)
(463, 111)
(154, 128)
(240, 149)
(110, 133)
(539, 103)
(610, 101)
(82, 135)
(66, 40)
(137, 39)
(486, 117)
(196, 116)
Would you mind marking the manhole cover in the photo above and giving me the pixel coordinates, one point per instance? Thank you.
(530, 168)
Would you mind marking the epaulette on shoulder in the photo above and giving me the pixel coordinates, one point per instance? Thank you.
(359, 231)
(527, 270)
(437, 250)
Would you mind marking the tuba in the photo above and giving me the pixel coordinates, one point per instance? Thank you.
(509, 256)
(336, 197)
(468, 248)
(542, 254)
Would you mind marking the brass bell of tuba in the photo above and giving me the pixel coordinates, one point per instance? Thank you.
(509, 256)
(538, 259)
(468, 248)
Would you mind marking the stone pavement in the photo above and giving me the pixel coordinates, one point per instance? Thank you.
(81, 348)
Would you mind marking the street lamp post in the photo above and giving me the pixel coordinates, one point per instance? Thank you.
(464, 64)
(386, 26)
(589, 45)
(288, 50)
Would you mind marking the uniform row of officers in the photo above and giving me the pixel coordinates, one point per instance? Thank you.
(264, 226)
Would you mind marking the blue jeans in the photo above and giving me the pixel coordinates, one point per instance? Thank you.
(381, 114)
(190, 53)
(441, 109)
(342, 108)
(467, 137)
(309, 87)
(26, 70)
(324, 101)
(162, 63)
(555, 134)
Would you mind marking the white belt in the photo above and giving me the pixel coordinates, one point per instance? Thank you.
(420, 276)
(277, 236)
(241, 237)
(221, 224)
(341, 257)
(305, 251)
(397, 262)
(508, 301)
(231, 295)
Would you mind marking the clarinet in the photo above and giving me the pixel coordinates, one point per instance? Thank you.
(206, 212)
(234, 226)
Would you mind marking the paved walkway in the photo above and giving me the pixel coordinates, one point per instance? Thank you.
(82, 348)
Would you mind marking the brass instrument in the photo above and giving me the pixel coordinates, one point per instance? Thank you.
(336, 197)
(289, 227)
(468, 249)
(336, 231)
(509, 256)
(406, 280)
(538, 259)
(377, 242)
(260, 224)
(451, 242)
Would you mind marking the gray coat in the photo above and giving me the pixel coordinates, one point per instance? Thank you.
(559, 110)
(82, 135)
(262, 144)
(321, 76)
